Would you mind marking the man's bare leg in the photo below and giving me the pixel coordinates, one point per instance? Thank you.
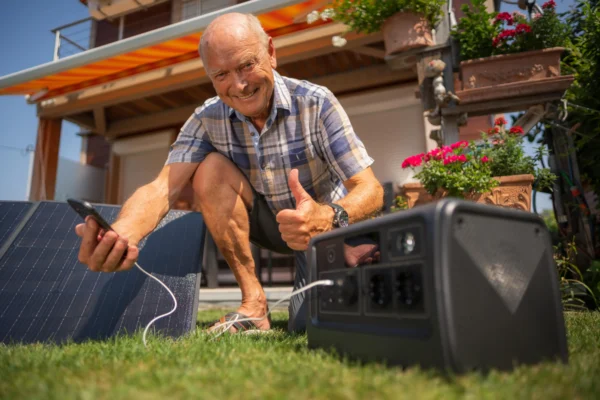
(225, 196)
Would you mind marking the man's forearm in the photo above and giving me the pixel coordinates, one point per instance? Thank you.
(142, 212)
(363, 201)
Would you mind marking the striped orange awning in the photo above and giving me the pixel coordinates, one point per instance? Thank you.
(276, 23)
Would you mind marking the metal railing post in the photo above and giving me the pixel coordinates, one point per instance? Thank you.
(56, 45)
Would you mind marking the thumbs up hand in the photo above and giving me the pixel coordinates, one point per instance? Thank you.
(307, 220)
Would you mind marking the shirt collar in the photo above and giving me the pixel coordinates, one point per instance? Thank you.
(282, 99)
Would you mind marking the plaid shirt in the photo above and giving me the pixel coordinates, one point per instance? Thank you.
(307, 129)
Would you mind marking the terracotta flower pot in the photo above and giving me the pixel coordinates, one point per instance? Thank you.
(514, 192)
(508, 76)
(403, 31)
(508, 68)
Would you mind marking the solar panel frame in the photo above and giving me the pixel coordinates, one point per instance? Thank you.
(13, 215)
(47, 295)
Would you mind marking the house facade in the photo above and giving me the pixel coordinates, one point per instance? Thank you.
(137, 77)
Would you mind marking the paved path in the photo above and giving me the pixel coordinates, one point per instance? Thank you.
(231, 297)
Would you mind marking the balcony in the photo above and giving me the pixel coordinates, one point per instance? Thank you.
(89, 33)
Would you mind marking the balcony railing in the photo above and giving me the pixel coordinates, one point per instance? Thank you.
(87, 33)
(72, 38)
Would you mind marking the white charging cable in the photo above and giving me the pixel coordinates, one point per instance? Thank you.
(160, 316)
(227, 325)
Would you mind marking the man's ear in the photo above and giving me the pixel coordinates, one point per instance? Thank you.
(272, 56)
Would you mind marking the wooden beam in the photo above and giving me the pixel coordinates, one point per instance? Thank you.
(100, 120)
(82, 120)
(45, 162)
(337, 83)
(364, 77)
(139, 86)
(111, 183)
(138, 124)
(370, 51)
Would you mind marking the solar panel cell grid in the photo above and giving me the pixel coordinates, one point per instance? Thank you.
(46, 294)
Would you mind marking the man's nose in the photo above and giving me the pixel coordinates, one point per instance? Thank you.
(240, 82)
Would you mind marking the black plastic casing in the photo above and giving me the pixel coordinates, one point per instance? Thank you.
(482, 278)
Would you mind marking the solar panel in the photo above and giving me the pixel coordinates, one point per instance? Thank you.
(11, 214)
(46, 294)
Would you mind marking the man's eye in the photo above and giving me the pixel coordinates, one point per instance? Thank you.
(248, 65)
(221, 75)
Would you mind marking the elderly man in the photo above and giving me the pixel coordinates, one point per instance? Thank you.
(272, 160)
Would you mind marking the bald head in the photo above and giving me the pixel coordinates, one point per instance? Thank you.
(231, 28)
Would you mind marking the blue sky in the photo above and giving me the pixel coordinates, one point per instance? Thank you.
(25, 42)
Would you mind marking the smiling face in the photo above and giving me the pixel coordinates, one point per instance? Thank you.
(240, 67)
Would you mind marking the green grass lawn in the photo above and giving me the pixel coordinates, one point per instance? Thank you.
(278, 366)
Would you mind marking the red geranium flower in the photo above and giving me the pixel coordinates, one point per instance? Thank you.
(549, 5)
(523, 28)
(500, 121)
(504, 16)
(485, 159)
(413, 161)
(516, 130)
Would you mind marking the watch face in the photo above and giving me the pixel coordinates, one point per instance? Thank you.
(342, 219)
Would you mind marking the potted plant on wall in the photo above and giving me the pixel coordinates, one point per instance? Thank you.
(495, 171)
(405, 24)
(503, 50)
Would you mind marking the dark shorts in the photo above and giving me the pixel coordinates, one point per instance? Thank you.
(264, 230)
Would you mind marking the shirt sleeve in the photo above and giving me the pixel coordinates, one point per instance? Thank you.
(193, 142)
(342, 148)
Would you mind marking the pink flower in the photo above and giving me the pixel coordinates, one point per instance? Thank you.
(413, 161)
(516, 130)
(549, 5)
(504, 16)
(462, 158)
(449, 160)
(523, 28)
(485, 159)
(517, 15)
(459, 145)
(500, 121)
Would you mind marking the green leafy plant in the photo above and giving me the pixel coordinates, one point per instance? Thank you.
(464, 169)
(483, 34)
(400, 203)
(583, 61)
(574, 290)
(368, 16)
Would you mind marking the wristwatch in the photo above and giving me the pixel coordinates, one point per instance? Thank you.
(340, 216)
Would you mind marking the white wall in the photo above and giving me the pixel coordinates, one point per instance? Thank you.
(142, 158)
(75, 180)
(390, 124)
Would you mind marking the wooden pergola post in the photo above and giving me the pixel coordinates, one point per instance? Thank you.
(45, 162)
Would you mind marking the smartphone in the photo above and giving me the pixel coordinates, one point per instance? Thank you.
(85, 209)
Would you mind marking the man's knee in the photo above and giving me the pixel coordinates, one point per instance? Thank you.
(216, 171)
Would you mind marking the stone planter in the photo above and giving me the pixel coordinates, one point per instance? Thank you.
(403, 31)
(507, 76)
(513, 192)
